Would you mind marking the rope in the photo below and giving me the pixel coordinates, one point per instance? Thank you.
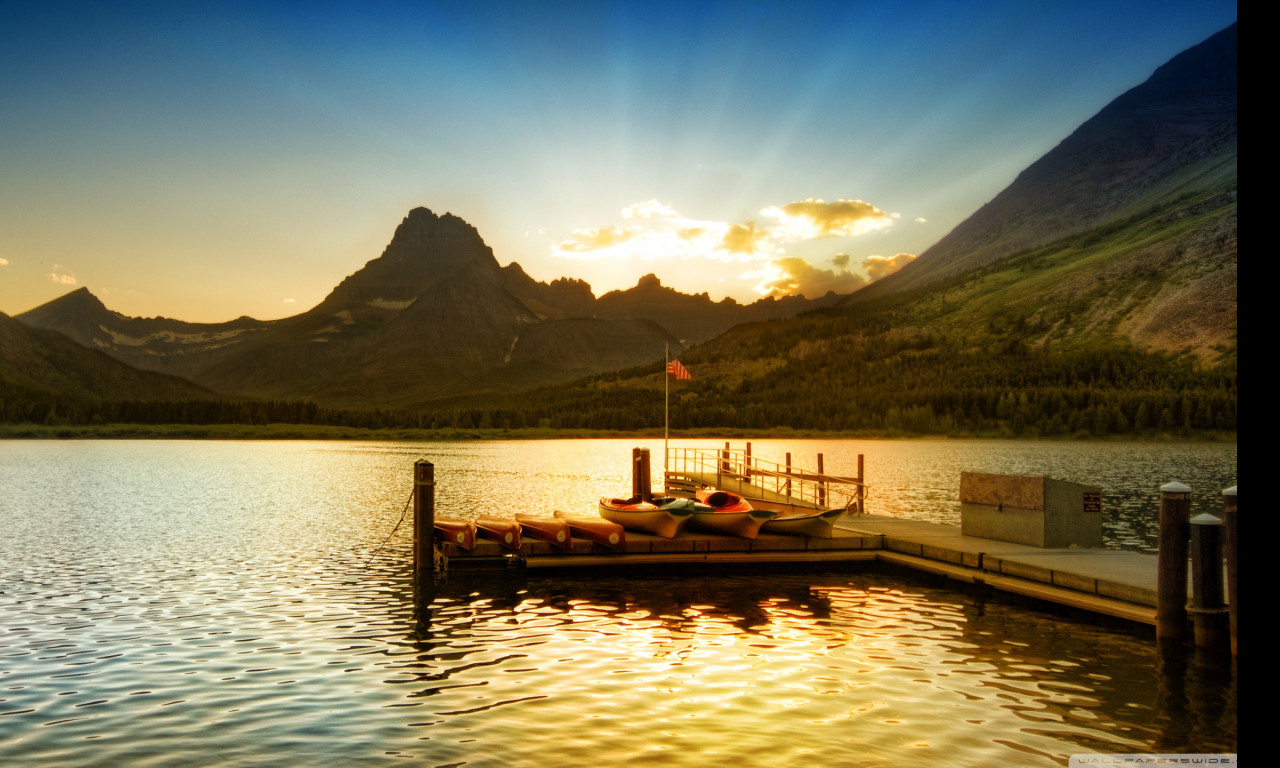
(393, 530)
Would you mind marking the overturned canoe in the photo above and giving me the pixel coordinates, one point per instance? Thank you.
(818, 523)
(505, 532)
(596, 529)
(459, 532)
(660, 517)
(549, 529)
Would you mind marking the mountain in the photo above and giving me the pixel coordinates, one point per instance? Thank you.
(1168, 139)
(155, 344)
(433, 316)
(697, 318)
(1094, 296)
(38, 367)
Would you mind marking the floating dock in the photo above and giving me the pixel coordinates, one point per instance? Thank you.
(1108, 582)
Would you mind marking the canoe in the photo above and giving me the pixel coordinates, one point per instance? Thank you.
(817, 523)
(459, 532)
(596, 529)
(549, 529)
(505, 532)
(662, 517)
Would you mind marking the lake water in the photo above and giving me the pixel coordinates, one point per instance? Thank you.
(244, 603)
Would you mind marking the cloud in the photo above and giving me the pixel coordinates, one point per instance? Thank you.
(652, 230)
(811, 219)
(289, 301)
(743, 238)
(920, 220)
(792, 275)
(650, 209)
(883, 266)
(591, 240)
(62, 276)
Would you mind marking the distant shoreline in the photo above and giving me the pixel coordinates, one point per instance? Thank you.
(319, 432)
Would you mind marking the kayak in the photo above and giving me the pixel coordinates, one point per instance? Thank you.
(817, 523)
(729, 514)
(723, 501)
(661, 517)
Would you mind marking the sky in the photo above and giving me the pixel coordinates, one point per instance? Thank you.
(209, 160)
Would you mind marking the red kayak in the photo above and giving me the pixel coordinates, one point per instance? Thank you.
(723, 501)
(729, 514)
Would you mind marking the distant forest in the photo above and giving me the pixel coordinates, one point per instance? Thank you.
(909, 384)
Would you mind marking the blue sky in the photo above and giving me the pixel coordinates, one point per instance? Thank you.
(210, 160)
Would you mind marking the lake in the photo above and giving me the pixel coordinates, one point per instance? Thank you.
(246, 603)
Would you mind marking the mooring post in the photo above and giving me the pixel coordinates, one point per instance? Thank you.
(641, 486)
(1171, 562)
(1229, 531)
(822, 484)
(1208, 611)
(788, 490)
(746, 467)
(424, 514)
(724, 462)
(862, 489)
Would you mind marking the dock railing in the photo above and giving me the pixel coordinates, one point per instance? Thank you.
(728, 468)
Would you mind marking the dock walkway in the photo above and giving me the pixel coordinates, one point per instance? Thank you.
(1109, 582)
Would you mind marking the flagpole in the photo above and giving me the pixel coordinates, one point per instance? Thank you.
(666, 410)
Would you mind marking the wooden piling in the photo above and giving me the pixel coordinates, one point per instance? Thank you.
(862, 488)
(787, 487)
(1229, 531)
(822, 484)
(424, 514)
(1171, 566)
(1207, 609)
(641, 484)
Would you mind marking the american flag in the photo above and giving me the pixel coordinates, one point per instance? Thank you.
(674, 368)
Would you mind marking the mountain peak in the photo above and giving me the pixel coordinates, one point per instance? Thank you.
(1171, 136)
(80, 302)
(424, 250)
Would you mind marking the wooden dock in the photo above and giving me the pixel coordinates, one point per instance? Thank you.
(1108, 582)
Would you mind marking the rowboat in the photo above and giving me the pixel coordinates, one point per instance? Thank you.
(596, 529)
(662, 517)
(816, 523)
(459, 532)
(729, 514)
(550, 529)
(505, 532)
